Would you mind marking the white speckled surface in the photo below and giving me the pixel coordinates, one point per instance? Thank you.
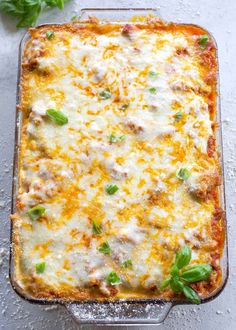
(220, 19)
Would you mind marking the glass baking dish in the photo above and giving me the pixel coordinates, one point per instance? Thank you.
(123, 312)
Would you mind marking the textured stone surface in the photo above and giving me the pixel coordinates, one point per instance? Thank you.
(219, 18)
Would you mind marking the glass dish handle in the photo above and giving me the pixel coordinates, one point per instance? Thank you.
(117, 14)
(120, 313)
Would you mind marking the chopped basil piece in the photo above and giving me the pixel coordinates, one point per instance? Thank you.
(178, 116)
(111, 189)
(57, 117)
(113, 279)
(74, 18)
(106, 94)
(152, 74)
(183, 257)
(153, 90)
(203, 40)
(105, 248)
(40, 267)
(114, 139)
(50, 35)
(128, 263)
(96, 228)
(183, 174)
(36, 212)
(124, 106)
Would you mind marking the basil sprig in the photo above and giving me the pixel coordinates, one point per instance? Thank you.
(179, 280)
(27, 11)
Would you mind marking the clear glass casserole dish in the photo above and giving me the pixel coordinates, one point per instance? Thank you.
(143, 311)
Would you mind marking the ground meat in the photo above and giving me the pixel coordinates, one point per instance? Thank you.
(203, 184)
(182, 51)
(128, 31)
(211, 146)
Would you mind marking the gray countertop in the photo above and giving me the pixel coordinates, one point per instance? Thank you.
(219, 18)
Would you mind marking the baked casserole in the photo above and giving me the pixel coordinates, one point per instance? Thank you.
(118, 162)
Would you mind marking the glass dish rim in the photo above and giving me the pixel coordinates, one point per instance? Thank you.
(174, 302)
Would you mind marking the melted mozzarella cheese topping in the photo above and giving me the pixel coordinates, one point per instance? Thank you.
(66, 168)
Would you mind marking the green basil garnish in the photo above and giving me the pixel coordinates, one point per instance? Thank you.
(36, 212)
(114, 139)
(152, 74)
(191, 295)
(183, 174)
(113, 279)
(124, 106)
(153, 90)
(40, 267)
(165, 283)
(96, 228)
(105, 248)
(57, 117)
(179, 280)
(74, 18)
(111, 189)
(197, 273)
(50, 35)
(106, 94)
(176, 284)
(183, 257)
(127, 263)
(178, 116)
(203, 40)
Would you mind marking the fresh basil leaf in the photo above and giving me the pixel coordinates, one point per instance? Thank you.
(165, 283)
(203, 40)
(124, 106)
(74, 18)
(50, 35)
(178, 116)
(57, 117)
(36, 212)
(106, 94)
(11, 7)
(153, 90)
(197, 273)
(114, 139)
(183, 174)
(27, 11)
(60, 4)
(96, 228)
(40, 267)
(127, 263)
(183, 257)
(30, 15)
(191, 295)
(174, 271)
(152, 74)
(113, 279)
(105, 248)
(176, 284)
(55, 3)
(111, 189)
